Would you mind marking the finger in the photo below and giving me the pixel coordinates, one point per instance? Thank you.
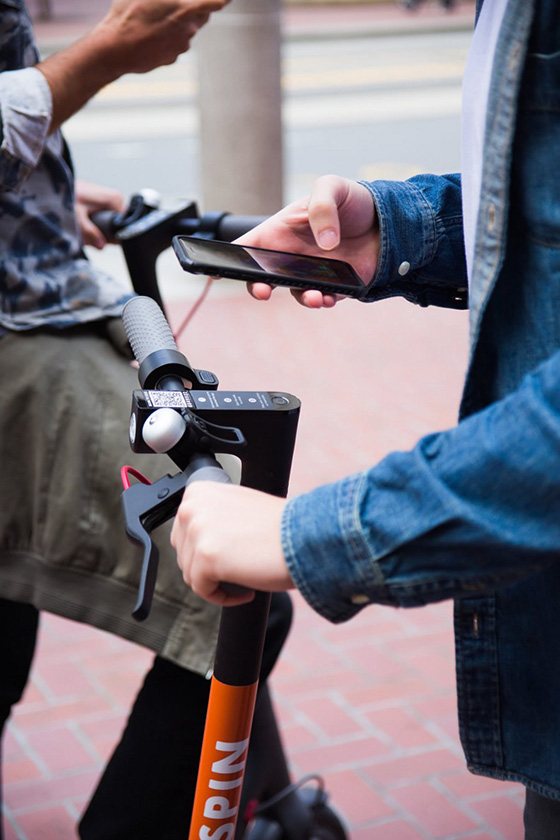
(115, 201)
(201, 19)
(221, 594)
(204, 7)
(288, 220)
(323, 211)
(224, 598)
(174, 538)
(96, 197)
(108, 200)
(260, 291)
(314, 299)
(91, 234)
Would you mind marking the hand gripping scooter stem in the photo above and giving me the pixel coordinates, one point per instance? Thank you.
(260, 428)
(273, 806)
(191, 426)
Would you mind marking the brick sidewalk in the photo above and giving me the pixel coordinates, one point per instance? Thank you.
(369, 704)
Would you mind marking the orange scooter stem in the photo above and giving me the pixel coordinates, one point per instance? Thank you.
(222, 761)
(229, 720)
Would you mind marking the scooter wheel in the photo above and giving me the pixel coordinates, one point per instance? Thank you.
(264, 829)
(327, 825)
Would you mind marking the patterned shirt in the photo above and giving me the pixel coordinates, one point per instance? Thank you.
(45, 277)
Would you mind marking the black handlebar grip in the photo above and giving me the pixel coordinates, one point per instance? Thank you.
(146, 328)
(107, 222)
(231, 226)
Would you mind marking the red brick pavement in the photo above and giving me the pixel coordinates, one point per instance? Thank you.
(369, 704)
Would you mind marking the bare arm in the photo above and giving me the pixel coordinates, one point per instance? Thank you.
(135, 36)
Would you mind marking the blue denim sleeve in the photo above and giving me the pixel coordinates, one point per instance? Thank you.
(25, 116)
(465, 511)
(422, 253)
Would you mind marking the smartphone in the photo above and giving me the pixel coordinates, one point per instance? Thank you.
(278, 268)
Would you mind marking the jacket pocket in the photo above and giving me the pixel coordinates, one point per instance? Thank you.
(535, 183)
(540, 87)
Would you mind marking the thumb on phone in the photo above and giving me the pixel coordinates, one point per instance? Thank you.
(323, 211)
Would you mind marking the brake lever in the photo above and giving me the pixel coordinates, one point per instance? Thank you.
(146, 507)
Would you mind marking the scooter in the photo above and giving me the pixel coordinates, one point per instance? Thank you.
(244, 788)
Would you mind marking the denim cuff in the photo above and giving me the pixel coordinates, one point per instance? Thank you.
(327, 554)
(466, 511)
(407, 228)
(421, 254)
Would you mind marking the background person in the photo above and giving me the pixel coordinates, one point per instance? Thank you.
(66, 384)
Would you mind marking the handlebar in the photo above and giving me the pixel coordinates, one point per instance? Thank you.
(269, 420)
(189, 428)
(259, 427)
(163, 367)
(147, 328)
(221, 226)
(232, 226)
(144, 230)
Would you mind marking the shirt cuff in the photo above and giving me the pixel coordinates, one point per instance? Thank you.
(407, 228)
(25, 114)
(415, 261)
(327, 554)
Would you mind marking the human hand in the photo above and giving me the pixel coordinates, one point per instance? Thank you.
(338, 217)
(90, 199)
(134, 36)
(151, 33)
(224, 533)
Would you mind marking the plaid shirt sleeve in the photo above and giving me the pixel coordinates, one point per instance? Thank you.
(25, 117)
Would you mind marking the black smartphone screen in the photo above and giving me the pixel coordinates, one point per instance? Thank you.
(274, 267)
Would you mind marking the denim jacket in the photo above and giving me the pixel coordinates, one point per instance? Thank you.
(473, 513)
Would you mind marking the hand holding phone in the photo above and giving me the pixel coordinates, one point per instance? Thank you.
(276, 268)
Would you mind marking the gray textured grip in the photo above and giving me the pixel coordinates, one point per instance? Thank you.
(232, 226)
(210, 473)
(146, 328)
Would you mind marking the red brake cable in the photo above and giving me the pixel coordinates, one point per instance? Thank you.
(127, 471)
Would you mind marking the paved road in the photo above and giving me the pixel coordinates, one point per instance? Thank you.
(354, 105)
(366, 107)
(360, 106)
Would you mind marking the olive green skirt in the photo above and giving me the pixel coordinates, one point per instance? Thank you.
(64, 412)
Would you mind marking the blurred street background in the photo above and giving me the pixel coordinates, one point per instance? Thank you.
(369, 90)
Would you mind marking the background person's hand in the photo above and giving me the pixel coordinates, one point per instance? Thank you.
(90, 199)
(224, 533)
(337, 220)
(135, 36)
(151, 33)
